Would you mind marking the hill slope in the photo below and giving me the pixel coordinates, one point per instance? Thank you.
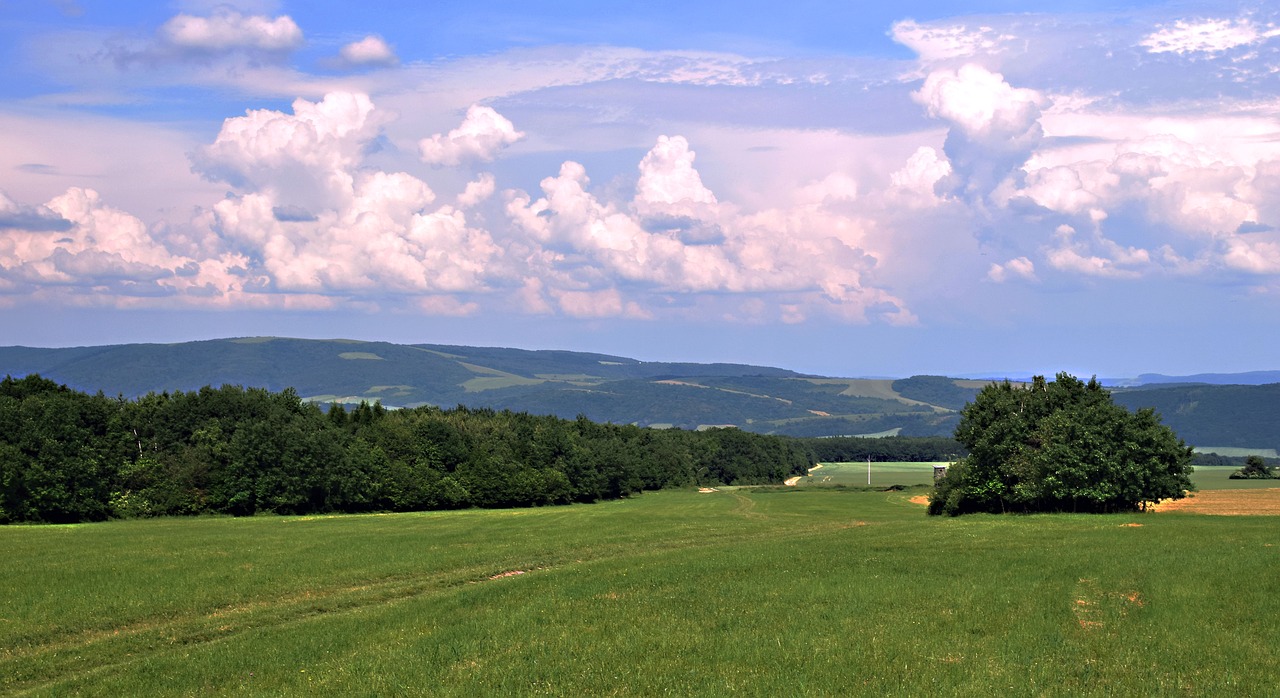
(605, 387)
(599, 386)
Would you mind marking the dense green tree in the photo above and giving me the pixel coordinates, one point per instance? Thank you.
(1060, 446)
(66, 456)
(1255, 468)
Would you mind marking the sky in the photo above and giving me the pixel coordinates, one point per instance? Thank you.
(839, 188)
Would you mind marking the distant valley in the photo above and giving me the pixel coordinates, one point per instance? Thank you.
(616, 389)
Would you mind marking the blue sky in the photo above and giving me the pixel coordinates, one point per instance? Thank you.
(839, 188)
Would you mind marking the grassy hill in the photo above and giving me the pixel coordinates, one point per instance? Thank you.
(605, 387)
(602, 387)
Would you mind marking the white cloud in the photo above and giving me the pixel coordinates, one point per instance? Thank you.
(14, 216)
(995, 127)
(1254, 256)
(1017, 268)
(1206, 36)
(228, 29)
(939, 43)
(480, 136)
(104, 251)
(371, 50)
(667, 175)
(477, 190)
(304, 157)
(918, 179)
(808, 254)
(1098, 257)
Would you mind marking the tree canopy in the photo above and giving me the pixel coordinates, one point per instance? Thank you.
(66, 456)
(1060, 446)
(1255, 468)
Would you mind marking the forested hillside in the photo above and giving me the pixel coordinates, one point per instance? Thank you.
(563, 383)
(607, 388)
(1244, 416)
(69, 456)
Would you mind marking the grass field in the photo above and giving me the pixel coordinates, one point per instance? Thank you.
(1237, 452)
(775, 591)
(882, 474)
(886, 474)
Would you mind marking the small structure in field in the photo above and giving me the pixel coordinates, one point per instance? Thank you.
(939, 472)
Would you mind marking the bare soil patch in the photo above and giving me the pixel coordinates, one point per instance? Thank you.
(919, 499)
(1256, 502)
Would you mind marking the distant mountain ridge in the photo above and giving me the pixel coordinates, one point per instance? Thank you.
(1245, 378)
(610, 388)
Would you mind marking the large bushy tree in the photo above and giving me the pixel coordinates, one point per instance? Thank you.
(1060, 446)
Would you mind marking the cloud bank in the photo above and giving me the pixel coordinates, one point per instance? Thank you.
(1008, 155)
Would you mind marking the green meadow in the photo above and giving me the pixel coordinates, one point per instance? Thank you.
(909, 474)
(772, 591)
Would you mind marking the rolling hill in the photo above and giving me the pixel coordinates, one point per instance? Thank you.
(565, 383)
(607, 388)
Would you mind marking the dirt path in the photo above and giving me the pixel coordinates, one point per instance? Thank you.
(793, 481)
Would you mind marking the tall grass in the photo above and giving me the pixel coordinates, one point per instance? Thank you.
(798, 591)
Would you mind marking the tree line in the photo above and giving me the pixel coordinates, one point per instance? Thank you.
(67, 456)
(888, 449)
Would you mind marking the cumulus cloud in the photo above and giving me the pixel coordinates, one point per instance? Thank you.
(480, 136)
(918, 179)
(807, 255)
(1098, 257)
(1210, 36)
(477, 190)
(304, 157)
(1252, 255)
(1017, 268)
(101, 249)
(369, 51)
(228, 29)
(670, 195)
(226, 34)
(994, 126)
(35, 219)
(315, 219)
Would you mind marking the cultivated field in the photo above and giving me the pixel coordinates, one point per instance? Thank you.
(779, 591)
(882, 474)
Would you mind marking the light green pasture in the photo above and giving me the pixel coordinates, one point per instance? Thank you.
(801, 591)
(882, 474)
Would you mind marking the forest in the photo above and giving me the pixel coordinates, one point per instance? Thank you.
(68, 456)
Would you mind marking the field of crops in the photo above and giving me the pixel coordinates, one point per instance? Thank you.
(779, 591)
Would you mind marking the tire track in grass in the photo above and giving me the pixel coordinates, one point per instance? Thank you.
(25, 670)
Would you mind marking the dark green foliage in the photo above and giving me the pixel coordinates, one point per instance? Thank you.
(892, 449)
(58, 451)
(1060, 446)
(1243, 416)
(1254, 469)
(935, 390)
(563, 383)
(66, 456)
